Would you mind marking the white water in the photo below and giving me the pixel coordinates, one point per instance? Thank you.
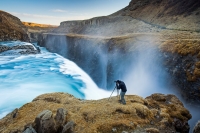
(24, 77)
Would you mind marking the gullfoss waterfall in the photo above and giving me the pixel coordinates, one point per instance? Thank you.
(24, 77)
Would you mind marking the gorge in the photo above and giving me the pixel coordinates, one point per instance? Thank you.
(154, 46)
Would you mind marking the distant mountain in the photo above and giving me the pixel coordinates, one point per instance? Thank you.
(11, 28)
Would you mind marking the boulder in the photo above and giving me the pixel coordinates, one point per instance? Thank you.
(29, 129)
(60, 118)
(44, 122)
(68, 128)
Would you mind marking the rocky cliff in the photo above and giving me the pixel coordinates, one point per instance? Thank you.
(36, 30)
(11, 28)
(106, 26)
(140, 16)
(169, 14)
(111, 58)
(60, 112)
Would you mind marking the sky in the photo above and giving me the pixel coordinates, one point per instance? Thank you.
(55, 11)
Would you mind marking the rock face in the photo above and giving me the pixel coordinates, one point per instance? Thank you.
(156, 113)
(182, 61)
(11, 28)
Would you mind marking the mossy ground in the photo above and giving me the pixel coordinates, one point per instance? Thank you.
(102, 116)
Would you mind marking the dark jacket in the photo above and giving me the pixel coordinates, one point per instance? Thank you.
(122, 86)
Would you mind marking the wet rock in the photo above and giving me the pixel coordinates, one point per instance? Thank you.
(197, 128)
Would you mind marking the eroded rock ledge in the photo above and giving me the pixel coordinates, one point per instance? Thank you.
(61, 112)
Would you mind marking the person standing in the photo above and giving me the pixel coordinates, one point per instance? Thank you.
(121, 85)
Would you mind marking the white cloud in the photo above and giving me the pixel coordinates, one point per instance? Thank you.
(59, 10)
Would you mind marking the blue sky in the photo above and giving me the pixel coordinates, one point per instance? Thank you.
(56, 11)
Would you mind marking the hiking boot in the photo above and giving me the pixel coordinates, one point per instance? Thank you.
(119, 101)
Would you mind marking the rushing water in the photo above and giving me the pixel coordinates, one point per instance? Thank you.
(23, 77)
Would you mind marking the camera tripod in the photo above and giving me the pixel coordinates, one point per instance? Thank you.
(113, 91)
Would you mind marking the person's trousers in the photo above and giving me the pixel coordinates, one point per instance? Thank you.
(122, 94)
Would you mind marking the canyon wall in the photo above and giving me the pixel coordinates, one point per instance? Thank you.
(108, 47)
(111, 58)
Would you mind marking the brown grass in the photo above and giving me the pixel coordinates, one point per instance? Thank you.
(98, 115)
(185, 45)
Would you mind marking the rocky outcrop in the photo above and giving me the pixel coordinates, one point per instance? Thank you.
(45, 123)
(11, 28)
(156, 113)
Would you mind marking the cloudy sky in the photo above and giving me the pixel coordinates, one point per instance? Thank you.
(55, 11)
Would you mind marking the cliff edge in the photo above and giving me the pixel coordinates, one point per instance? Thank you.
(56, 112)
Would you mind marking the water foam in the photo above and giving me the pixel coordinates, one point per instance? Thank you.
(23, 77)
